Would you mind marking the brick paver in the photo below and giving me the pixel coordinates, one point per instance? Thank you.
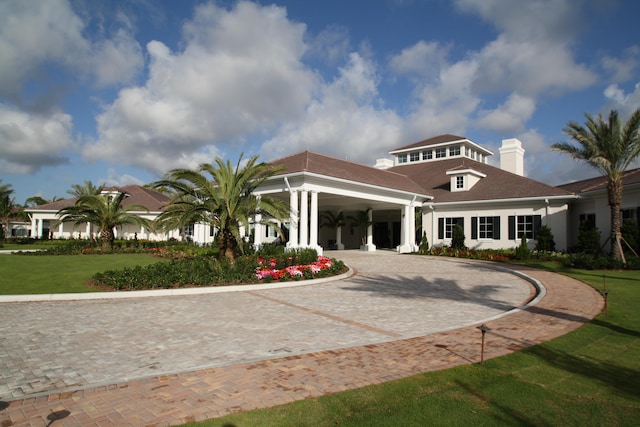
(395, 345)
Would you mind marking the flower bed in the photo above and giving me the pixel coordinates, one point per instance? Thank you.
(267, 270)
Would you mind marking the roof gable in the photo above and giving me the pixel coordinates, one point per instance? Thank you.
(321, 164)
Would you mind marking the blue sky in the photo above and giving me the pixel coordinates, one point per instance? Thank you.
(119, 92)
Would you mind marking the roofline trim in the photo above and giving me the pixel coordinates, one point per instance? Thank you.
(519, 199)
(420, 147)
(347, 181)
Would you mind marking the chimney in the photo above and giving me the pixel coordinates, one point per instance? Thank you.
(512, 156)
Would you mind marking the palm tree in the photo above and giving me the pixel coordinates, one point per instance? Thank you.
(609, 146)
(105, 211)
(220, 195)
(86, 189)
(39, 200)
(361, 221)
(7, 205)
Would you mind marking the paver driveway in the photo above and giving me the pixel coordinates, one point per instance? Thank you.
(392, 307)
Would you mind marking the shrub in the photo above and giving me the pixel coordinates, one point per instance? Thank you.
(588, 240)
(630, 234)
(423, 249)
(522, 251)
(457, 238)
(544, 240)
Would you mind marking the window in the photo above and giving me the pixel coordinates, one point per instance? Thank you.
(414, 157)
(459, 182)
(588, 220)
(188, 230)
(526, 225)
(454, 150)
(485, 227)
(445, 226)
(427, 155)
(467, 151)
(402, 158)
(626, 214)
(441, 152)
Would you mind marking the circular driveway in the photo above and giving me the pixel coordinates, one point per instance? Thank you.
(52, 346)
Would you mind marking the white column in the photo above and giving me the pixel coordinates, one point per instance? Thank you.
(60, 228)
(339, 244)
(304, 219)
(405, 238)
(40, 226)
(258, 230)
(313, 227)
(293, 220)
(370, 246)
(34, 227)
(89, 231)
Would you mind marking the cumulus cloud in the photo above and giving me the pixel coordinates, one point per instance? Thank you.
(31, 141)
(240, 72)
(38, 34)
(623, 68)
(510, 117)
(424, 59)
(624, 103)
(346, 119)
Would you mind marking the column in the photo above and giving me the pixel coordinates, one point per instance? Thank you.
(258, 230)
(34, 227)
(40, 226)
(370, 246)
(293, 220)
(89, 231)
(405, 238)
(339, 244)
(60, 228)
(304, 219)
(313, 220)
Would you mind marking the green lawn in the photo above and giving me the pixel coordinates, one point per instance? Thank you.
(48, 274)
(590, 377)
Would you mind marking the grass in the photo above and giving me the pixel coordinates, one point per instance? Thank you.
(590, 377)
(21, 247)
(47, 274)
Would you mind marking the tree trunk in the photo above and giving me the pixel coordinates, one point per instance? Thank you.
(614, 192)
(107, 238)
(228, 245)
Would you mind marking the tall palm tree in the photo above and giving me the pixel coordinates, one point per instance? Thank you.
(609, 146)
(86, 189)
(106, 212)
(220, 195)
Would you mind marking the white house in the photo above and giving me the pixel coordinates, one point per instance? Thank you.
(445, 180)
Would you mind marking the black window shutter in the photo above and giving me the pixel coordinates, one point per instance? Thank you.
(474, 227)
(512, 227)
(496, 227)
(460, 222)
(537, 224)
(440, 228)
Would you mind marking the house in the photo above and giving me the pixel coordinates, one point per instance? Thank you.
(592, 205)
(425, 187)
(441, 181)
(46, 224)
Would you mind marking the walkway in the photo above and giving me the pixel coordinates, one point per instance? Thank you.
(168, 360)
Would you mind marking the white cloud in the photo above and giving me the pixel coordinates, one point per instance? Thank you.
(624, 103)
(510, 117)
(41, 33)
(31, 141)
(239, 73)
(623, 69)
(422, 59)
(344, 121)
(115, 179)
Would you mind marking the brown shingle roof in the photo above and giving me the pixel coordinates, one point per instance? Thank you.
(600, 182)
(498, 184)
(330, 166)
(138, 195)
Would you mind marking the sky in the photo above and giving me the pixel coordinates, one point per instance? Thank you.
(120, 92)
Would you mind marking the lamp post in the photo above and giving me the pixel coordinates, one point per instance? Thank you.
(483, 328)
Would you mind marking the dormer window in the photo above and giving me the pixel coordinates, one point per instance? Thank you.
(454, 150)
(402, 158)
(427, 155)
(414, 157)
(441, 152)
(463, 179)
